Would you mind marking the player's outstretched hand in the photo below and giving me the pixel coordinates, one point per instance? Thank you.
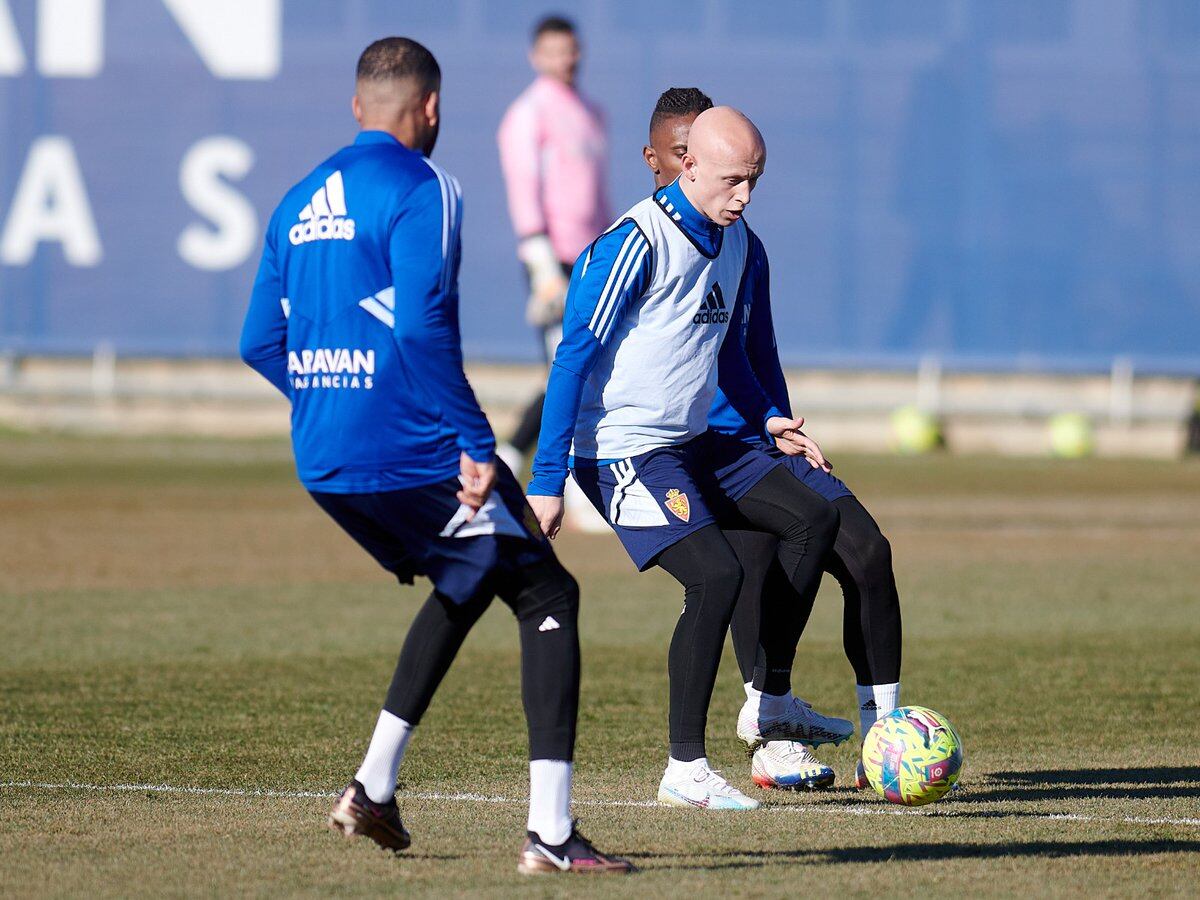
(794, 442)
(477, 480)
(549, 512)
(812, 452)
(785, 432)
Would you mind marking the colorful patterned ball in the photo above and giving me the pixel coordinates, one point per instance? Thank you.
(912, 756)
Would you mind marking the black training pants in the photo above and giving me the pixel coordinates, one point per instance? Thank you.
(861, 561)
(545, 599)
(708, 568)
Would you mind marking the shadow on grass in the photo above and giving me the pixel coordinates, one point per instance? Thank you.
(1161, 783)
(1189, 775)
(737, 859)
(435, 857)
(1156, 783)
(985, 794)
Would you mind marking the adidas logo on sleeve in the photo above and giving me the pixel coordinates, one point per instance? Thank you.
(324, 217)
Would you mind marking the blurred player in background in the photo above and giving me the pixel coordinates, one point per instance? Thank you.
(554, 154)
(354, 317)
(630, 390)
(861, 559)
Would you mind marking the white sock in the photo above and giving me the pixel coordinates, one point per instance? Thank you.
(772, 706)
(382, 762)
(677, 767)
(874, 702)
(769, 705)
(550, 799)
(887, 697)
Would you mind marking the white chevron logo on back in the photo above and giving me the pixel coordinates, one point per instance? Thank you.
(330, 200)
(324, 217)
(382, 306)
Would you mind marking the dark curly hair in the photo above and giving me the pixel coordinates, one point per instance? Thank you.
(675, 102)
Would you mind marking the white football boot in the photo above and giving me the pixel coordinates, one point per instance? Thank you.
(789, 766)
(702, 788)
(799, 723)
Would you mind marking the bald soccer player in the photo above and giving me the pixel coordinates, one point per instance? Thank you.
(647, 311)
(861, 560)
(354, 318)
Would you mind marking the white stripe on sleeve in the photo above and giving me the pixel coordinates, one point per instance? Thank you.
(608, 295)
(632, 268)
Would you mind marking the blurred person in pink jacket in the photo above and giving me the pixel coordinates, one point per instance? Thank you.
(554, 155)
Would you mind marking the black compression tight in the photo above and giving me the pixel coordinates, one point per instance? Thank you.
(549, 658)
(764, 578)
(861, 562)
(788, 594)
(707, 567)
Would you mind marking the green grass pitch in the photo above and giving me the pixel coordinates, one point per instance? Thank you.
(179, 615)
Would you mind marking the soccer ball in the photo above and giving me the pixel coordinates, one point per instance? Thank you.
(912, 756)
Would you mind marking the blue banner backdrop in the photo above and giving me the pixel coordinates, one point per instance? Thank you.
(988, 181)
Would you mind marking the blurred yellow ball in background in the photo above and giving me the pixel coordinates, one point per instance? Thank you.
(914, 431)
(1071, 436)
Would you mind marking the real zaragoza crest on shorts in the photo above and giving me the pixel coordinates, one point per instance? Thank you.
(677, 503)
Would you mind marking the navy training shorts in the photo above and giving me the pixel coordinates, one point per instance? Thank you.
(423, 531)
(658, 498)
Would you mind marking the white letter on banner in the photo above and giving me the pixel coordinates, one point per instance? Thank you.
(12, 57)
(50, 204)
(235, 38)
(70, 38)
(232, 216)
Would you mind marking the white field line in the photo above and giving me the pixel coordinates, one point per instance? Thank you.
(485, 798)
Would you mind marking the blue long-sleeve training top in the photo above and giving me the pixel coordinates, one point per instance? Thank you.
(354, 317)
(646, 314)
(756, 339)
